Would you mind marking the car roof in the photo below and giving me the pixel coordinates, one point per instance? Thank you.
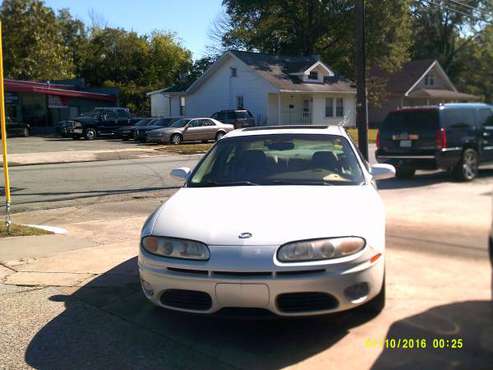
(289, 129)
(443, 106)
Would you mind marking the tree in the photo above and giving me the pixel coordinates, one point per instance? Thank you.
(74, 36)
(324, 27)
(34, 47)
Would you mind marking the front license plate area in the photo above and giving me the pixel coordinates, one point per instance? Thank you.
(242, 295)
(405, 143)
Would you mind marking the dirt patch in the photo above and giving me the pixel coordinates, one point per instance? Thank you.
(21, 230)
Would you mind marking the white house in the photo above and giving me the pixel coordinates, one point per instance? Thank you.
(276, 89)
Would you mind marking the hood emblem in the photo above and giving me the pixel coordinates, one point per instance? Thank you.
(245, 235)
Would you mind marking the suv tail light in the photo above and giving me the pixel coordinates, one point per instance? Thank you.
(378, 140)
(441, 138)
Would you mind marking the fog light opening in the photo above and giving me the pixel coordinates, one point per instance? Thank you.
(357, 293)
(147, 288)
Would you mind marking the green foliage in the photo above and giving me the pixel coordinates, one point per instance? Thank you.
(40, 45)
(34, 47)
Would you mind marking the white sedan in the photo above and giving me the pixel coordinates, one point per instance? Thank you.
(284, 219)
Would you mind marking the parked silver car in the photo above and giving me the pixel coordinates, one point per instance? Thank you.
(190, 129)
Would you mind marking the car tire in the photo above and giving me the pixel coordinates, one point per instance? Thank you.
(176, 139)
(90, 134)
(377, 304)
(468, 167)
(404, 172)
(25, 132)
(219, 135)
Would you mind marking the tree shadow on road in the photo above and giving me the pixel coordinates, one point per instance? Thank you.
(109, 324)
(426, 179)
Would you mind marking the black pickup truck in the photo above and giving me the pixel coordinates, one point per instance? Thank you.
(100, 122)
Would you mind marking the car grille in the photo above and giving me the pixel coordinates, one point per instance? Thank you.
(187, 299)
(245, 274)
(305, 302)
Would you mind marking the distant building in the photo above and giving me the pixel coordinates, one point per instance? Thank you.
(275, 89)
(420, 82)
(44, 104)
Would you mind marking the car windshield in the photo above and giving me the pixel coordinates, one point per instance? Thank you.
(180, 123)
(280, 159)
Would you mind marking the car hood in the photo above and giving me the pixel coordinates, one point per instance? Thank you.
(272, 214)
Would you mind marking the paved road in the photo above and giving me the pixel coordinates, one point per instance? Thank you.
(51, 186)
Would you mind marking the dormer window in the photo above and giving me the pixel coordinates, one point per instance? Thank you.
(234, 72)
(313, 75)
(429, 79)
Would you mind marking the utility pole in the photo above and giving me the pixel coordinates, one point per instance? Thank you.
(361, 102)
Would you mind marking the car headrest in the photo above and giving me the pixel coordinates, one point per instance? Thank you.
(325, 160)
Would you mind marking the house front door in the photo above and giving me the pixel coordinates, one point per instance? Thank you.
(306, 113)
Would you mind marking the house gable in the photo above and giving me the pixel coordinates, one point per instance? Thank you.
(433, 78)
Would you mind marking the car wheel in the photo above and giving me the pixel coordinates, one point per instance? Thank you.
(404, 172)
(25, 133)
(219, 135)
(377, 304)
(468, 167)
(176, 139)
(90, 134)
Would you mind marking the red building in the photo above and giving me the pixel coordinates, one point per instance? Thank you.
(44, 104)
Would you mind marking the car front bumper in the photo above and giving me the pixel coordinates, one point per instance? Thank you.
(301, 291)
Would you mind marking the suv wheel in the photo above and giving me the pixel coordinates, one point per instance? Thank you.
(176, 139)
(404, 172)
(219, 135)
(90, 134)
(467, 168)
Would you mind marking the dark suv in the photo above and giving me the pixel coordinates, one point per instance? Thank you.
(239, 118)
(455, 137)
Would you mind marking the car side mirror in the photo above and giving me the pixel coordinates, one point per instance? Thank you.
(382, 171)
(181, 172)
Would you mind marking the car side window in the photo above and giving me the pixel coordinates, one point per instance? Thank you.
(485, 117)
(196, 123)
(208, 122)
(122, 114)
(457, 118)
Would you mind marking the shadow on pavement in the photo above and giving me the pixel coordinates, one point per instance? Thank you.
(109, 324)
(444, 328)
(425, 179)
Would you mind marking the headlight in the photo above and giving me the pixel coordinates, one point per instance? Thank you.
(175, 248)
(320, 249)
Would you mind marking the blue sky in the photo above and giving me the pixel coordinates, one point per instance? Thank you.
(189, 19)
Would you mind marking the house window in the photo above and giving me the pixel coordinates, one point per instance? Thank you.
(429, 79)
(234, 72)
(339, 107)
(329, 107)
(239, 102)
(313, 75)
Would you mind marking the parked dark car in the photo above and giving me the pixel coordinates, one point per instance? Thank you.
(140, 132)
(15, 128)
(239, 118)
(456, 137)
(127, 132)
(101, 122)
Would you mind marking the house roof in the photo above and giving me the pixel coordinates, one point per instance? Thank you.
(401, 81)
(177, 88)
(444, 94)
(279, 70)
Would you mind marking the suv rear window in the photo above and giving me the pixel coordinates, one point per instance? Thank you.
(411, 119)
(242, 114)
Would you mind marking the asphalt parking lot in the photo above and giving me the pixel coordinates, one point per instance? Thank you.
(37, 144)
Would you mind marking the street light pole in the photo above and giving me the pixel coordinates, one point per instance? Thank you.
(361, 102)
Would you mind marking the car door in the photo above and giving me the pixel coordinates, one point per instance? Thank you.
(193, 131)
(210, 129)
(485, 125)
(108, 122)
